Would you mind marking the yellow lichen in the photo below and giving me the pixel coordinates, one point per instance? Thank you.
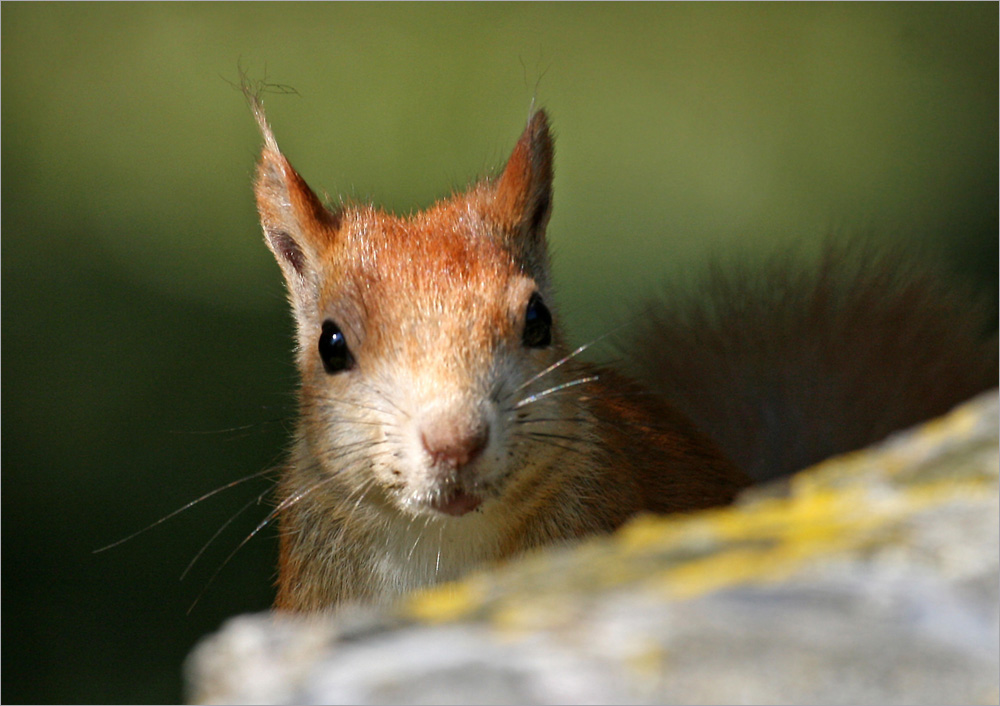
(522, 615)
(445, 603)
(776, 537)
(646, 659)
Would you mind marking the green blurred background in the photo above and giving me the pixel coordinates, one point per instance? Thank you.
(147, 350)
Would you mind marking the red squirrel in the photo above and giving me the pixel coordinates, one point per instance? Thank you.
(444, 422)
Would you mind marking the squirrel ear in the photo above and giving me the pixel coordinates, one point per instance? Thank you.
(524, 190)
(298, 228)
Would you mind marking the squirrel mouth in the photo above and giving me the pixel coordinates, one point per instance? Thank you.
(456, 503)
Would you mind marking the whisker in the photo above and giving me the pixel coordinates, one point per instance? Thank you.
(362, 493)
(361, 422)
(437, 561)
(420, 535)
(341, 452)
(544, 435)
(546, 371)
(242, 427)
(552, 390)
(349, 403)
(388, 399)
(179, 510)
(564, 447)
(577, 351)
(549, 420)
(219, 531)
(287, 502)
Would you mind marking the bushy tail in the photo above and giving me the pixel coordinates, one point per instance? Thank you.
(786, 365)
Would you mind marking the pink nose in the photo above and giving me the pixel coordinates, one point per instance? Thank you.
(450, 446)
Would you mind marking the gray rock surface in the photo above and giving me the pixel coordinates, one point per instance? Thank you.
(869, 578)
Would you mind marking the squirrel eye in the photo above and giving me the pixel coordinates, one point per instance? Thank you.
(333, 349)
(537, 323)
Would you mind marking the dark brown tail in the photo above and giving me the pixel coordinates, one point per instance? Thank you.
(786, 365)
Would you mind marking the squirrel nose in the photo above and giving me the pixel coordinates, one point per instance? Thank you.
(452, 446)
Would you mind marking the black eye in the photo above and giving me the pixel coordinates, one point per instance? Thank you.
(537, 323)
(333, 349)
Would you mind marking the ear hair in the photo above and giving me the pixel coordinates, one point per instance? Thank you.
(524, 190)
(298, 228)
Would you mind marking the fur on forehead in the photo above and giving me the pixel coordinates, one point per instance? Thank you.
(450, 258)
(463, 236)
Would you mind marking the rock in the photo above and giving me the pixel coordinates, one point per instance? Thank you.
(872, 577)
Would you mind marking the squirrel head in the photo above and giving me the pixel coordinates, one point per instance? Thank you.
(420, 337)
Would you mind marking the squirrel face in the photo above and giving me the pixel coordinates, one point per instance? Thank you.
(424, 341)
(429, 331)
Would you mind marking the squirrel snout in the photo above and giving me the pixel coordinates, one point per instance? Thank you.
(452, 446)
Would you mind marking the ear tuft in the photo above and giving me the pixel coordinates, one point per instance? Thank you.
(298, 228)
(252, 91)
